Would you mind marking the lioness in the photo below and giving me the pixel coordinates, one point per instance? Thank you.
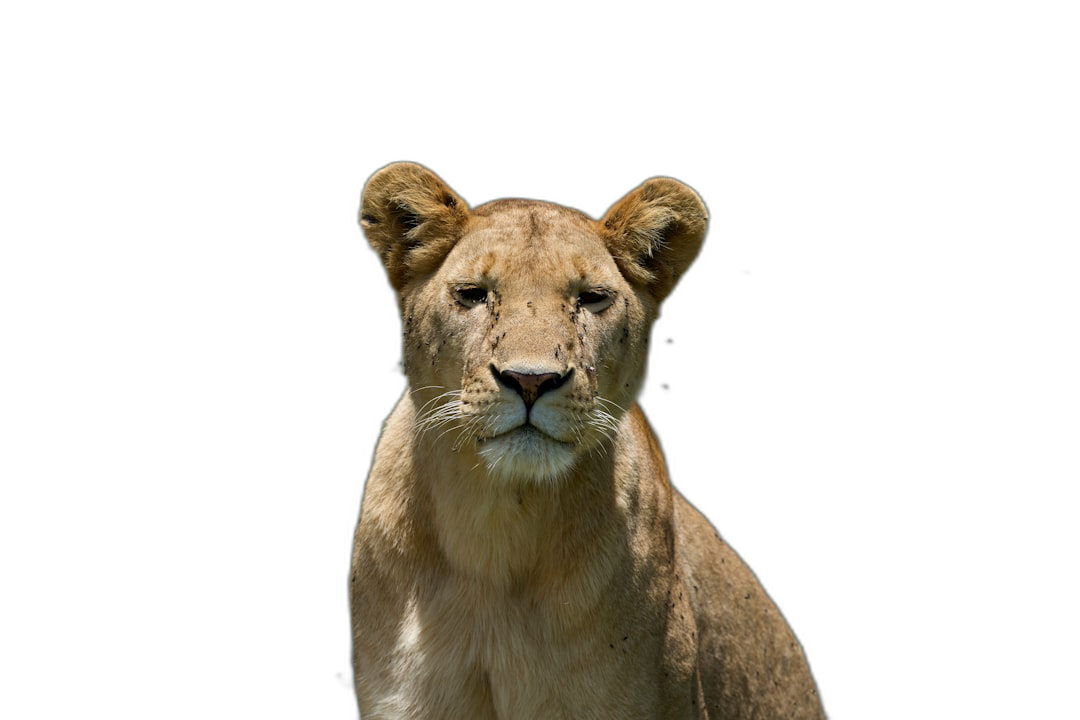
(520, 551)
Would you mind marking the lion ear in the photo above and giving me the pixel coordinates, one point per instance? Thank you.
(412, 219)
(655, 232)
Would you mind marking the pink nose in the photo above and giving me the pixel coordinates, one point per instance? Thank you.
(530, 386)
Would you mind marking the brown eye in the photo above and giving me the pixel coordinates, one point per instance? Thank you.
(594, 300)
(470, 295)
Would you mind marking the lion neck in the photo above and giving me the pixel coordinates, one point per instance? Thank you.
(513, 533)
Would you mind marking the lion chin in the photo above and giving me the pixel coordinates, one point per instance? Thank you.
(526, 453)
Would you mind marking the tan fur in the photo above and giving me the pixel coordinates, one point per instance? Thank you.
(536, 563)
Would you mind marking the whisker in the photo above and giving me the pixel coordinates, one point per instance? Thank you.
(443, 409)
(437, 398)
(600, 398)
(468, 432)
(606, 425)
(449, 430)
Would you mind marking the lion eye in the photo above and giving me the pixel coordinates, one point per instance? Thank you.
(470, 295)
(594, 300)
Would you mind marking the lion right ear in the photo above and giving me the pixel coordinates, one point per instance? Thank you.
(412, 219)
(655, 232)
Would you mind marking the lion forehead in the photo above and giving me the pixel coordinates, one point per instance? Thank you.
(516, 241)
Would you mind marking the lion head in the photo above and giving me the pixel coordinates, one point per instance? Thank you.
(526, 324)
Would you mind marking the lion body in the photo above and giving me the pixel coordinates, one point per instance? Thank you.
(520, 551)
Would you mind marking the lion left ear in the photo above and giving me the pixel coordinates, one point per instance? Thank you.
(412, 219)
(655, 232)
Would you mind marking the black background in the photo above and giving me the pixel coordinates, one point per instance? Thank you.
(782, 378)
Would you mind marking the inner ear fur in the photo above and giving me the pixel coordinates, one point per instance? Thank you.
(412, 219)
(655, 232)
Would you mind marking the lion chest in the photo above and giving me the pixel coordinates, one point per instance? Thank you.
(511, 602)
(485, 654)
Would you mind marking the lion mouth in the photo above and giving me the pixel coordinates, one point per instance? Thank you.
(526, 452)
(527, 432)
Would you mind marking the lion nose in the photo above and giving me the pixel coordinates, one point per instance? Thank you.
(530, 386)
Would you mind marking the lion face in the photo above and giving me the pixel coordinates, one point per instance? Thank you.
(532, 337)
(525, 323)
